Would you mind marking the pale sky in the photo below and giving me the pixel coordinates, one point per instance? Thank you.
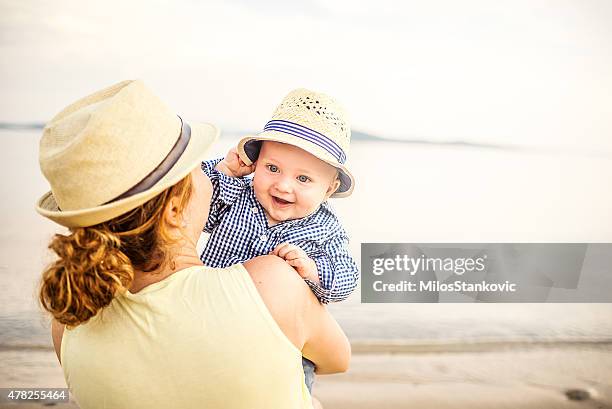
(520, 72)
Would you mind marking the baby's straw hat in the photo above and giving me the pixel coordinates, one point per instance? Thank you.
(312, 121)
(112, 151)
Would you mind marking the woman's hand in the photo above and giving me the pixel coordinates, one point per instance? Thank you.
(298, 259)
(233, 166)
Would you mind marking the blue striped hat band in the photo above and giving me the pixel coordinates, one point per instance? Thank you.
(309, 135)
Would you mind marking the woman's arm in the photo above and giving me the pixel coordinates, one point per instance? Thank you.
(57, 333)
(300, 316)
(326, 344)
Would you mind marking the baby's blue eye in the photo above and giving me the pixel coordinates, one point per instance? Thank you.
(303, 178)
(273, 168)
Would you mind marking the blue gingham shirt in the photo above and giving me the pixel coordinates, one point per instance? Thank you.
(239, 231)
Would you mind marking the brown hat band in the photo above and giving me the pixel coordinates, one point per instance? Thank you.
(162, 169)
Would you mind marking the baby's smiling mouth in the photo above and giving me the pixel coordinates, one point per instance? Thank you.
(281, 202)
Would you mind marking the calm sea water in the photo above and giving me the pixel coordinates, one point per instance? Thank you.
(405, 193)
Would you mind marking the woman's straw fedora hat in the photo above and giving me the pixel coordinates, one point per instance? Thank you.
(314, 122)
(112, 151)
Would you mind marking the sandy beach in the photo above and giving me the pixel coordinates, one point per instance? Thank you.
(506, 376)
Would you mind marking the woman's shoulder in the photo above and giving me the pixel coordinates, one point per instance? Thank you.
(274, 274)
(285, 294)
(272, 277)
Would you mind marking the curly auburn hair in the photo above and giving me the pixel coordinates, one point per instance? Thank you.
(96, 263)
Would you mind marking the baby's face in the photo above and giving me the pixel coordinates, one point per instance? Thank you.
(291, 183)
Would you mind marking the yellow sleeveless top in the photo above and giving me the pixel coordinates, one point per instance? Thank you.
(201, 338)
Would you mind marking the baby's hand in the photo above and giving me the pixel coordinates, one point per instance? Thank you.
(233, 166)
(298, 259)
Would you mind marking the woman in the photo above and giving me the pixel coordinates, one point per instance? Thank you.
(139, 322)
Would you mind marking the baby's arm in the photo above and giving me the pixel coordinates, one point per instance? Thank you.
(226, 189)
(331, 274)
(338, 272)
(233, 166)
(298, 259)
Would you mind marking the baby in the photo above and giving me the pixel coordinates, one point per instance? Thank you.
(298, 163)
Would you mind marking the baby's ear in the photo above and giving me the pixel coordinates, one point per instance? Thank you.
(332, 188)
